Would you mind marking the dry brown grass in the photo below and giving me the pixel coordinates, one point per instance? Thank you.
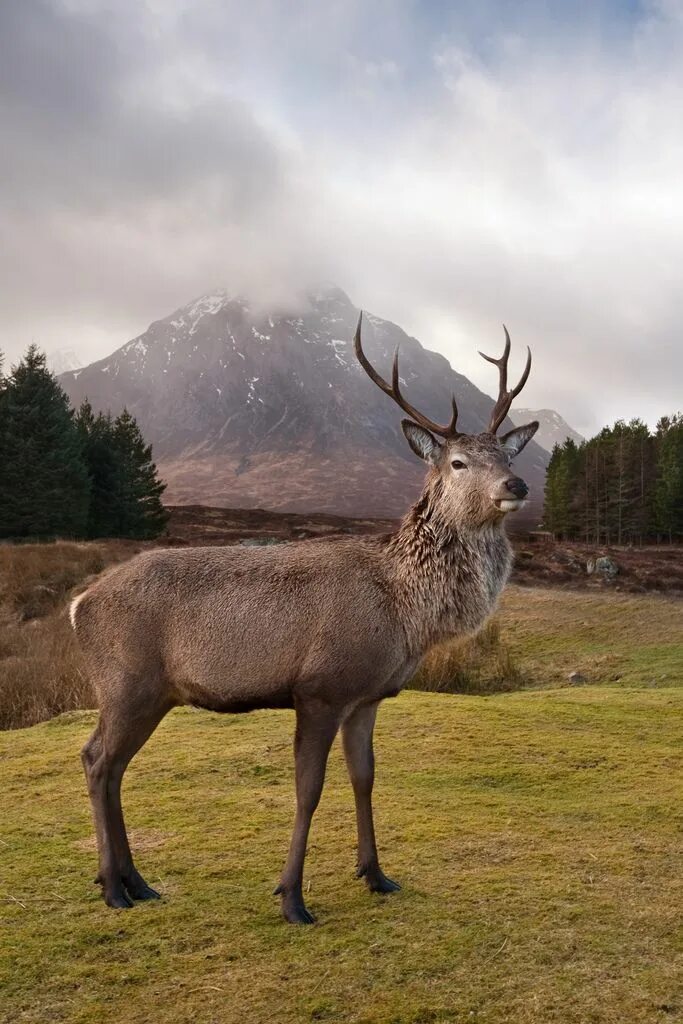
(40, 673)
(482, 664)
(40, 670)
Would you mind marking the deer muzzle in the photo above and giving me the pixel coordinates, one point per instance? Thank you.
(515, 493)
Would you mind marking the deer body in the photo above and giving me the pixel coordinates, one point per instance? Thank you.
(283, 635)
(328, 628)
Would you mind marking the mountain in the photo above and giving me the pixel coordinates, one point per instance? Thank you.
(250, 408)
(552, 428)
(60, 360)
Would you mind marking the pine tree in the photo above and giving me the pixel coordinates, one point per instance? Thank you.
(550, 504)
(104, 468)
(668, 492)
(44, 489)
(138, 508)
(560, 514)
(622, 486)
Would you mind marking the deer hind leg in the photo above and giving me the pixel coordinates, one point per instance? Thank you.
(120, 733)
(360, 759)
(316, 727)
(94, 765)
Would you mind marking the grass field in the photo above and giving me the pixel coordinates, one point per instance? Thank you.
(610, 638)
(535, 835)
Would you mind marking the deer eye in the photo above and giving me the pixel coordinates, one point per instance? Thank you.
(458, 464)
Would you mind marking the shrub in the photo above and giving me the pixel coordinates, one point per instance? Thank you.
(480, 664)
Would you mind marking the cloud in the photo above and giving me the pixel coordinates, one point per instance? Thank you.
(449, 168)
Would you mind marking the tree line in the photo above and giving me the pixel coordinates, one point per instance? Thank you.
(623, 486)
(71, 473)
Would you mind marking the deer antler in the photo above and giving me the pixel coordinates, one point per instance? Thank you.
(505, 397)
(393, 390)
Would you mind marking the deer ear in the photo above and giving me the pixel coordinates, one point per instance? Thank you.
(516, 439)
(421, 441)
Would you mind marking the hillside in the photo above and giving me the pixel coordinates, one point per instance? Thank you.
(251, 408)
(534, 835)
(552, 428)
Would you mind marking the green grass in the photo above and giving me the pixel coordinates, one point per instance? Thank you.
(535, 835)
(633, 639)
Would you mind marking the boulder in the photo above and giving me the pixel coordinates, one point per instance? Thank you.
(602, 566)
(575, 678)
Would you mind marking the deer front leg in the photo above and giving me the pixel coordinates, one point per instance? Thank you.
(360, 759)
(316, 727)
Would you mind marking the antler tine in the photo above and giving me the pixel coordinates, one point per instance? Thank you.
(393, 390)
(505, 397)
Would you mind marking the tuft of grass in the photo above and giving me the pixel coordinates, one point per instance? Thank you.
(479, 664)
(536, 836)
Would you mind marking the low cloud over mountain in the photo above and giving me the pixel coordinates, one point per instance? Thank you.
(251, 407)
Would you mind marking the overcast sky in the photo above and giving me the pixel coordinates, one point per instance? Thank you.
(450, 165)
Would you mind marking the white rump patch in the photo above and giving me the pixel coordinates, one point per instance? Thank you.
(73, 606)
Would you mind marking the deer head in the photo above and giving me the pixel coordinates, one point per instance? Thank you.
(473, 472)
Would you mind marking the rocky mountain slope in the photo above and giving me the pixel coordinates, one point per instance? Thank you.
(250, 408)
(552, 428)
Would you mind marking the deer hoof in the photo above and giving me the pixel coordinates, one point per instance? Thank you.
(293, 906)
(118, 898)
(296, 913)
(138, 889)
(377, 881)
(146, 893)
(384, 885)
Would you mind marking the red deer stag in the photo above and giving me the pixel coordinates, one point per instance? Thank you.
(327, 628)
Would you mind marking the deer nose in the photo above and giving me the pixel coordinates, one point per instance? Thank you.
(517, 486)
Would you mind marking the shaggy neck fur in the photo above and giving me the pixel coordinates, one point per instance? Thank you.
(447, 576)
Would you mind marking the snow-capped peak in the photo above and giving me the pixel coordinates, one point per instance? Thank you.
(208, 304)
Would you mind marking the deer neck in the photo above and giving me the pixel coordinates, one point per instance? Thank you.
(447, 577)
